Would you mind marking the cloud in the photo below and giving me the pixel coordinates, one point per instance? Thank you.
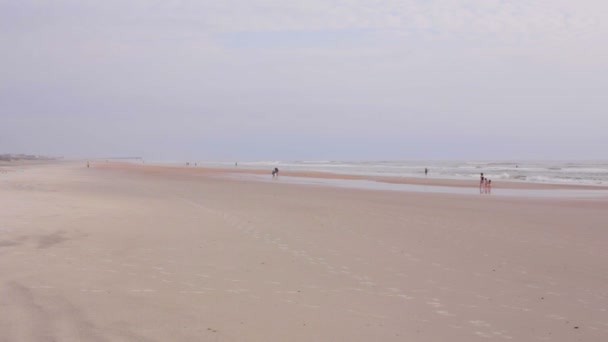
(442, 16)
(131, 72)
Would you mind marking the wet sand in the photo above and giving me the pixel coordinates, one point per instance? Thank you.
(123, 252)
(201, 169)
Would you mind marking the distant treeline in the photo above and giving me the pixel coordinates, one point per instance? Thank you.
(11, 157)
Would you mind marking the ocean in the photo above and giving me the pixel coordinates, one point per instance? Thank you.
(556, 172)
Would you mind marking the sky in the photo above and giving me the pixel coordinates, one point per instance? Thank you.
(305, 79)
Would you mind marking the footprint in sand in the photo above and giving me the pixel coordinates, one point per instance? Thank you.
(193, 292)
(143, 290)
(480, 323)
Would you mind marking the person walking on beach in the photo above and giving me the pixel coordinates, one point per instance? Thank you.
(275, 172)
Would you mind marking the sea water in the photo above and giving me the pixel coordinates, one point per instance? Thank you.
(556, 172)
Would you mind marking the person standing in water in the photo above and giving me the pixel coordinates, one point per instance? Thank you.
(426, 171)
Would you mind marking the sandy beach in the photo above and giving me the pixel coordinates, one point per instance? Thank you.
(125, 252)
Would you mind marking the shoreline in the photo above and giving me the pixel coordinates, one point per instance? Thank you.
(443, 182)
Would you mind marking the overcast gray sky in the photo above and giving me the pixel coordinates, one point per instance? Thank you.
(305, 79)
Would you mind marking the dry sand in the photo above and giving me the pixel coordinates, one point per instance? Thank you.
(116, 253)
